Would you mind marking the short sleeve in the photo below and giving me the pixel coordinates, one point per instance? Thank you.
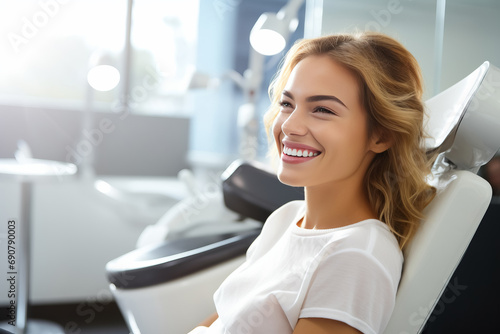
(352, 287)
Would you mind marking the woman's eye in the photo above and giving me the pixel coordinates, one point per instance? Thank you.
(284, 104)
(324, 110)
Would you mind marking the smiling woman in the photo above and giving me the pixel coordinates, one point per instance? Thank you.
(378, 81)
(346, 121)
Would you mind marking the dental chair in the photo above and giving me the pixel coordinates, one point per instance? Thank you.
(168, 287)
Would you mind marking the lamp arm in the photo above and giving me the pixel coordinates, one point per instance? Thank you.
(236, 78)
(290, 10)
(253, 76)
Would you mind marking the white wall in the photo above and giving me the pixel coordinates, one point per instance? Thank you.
(471, 36)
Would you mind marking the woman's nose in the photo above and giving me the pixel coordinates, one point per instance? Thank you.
(295, 124)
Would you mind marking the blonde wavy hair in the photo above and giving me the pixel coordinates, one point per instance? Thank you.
(391, 93)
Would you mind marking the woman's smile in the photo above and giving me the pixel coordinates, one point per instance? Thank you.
(294, 153)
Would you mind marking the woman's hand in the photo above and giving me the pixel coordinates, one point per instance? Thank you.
(323, 326)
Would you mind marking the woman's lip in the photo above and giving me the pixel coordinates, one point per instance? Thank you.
(294, 159)
(298, 146)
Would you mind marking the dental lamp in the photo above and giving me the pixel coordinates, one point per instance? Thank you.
(267, 37)
(271, 31)
(102, 76)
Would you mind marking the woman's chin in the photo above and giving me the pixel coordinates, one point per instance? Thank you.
(289, 179)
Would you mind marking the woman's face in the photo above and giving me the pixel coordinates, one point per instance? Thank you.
(321, 129)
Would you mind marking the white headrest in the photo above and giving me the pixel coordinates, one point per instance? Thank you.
(464, 120)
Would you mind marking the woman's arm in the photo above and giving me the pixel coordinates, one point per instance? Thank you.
(210, 320)
(323, 326)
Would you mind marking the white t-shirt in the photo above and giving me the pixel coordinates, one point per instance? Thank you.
(349, 274)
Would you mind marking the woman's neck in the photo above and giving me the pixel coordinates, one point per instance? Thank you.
(331, 206)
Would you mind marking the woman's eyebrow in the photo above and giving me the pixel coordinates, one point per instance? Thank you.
(316, 98)
(288, 94)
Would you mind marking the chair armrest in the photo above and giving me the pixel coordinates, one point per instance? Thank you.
(175, 259)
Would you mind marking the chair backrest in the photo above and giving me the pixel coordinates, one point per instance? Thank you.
(464, 122)
(433, 255)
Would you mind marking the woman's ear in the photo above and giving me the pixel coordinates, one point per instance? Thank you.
(380, 142)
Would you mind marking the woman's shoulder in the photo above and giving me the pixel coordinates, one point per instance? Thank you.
(371, 234)
(275, 227)
(373, 241)
(373, 237)
(291, 210)
(284, 216)
(369, 242)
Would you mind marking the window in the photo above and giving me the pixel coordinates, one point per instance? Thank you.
(45, 57)
(48, 46)
(164, 37)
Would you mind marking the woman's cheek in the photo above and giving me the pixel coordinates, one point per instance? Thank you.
(278, 121)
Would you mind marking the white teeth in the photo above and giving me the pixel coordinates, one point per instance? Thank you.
(299, 153)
